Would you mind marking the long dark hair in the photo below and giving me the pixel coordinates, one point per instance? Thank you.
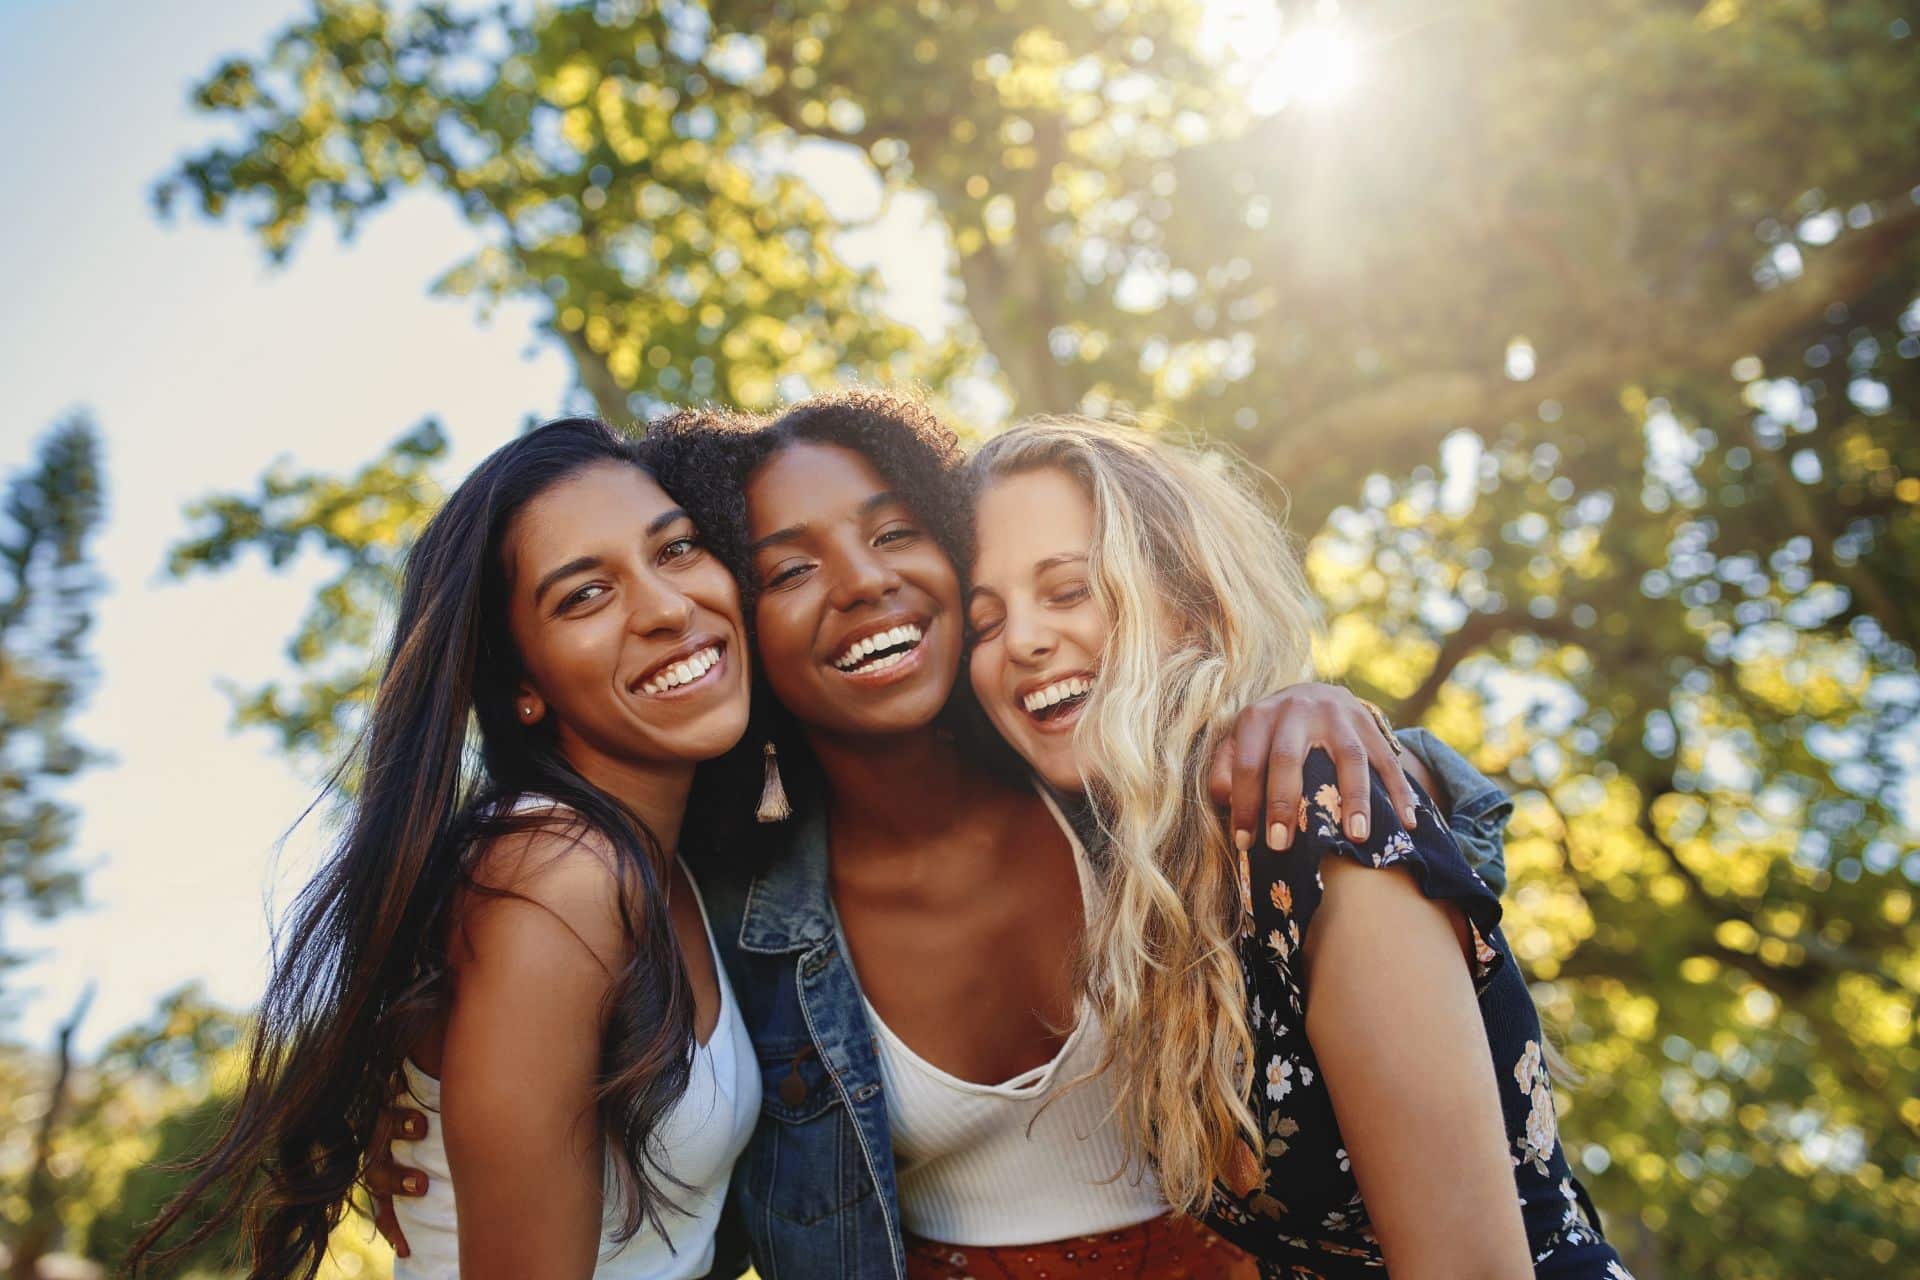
(359, 974)
(705, 460)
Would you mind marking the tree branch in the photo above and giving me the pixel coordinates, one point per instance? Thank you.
(1410, 416)
(608, 395)
(1455, 649)
(1868, 591)
(1012, 293)
(1823, 956)
(42, 1195)
(1475, 633)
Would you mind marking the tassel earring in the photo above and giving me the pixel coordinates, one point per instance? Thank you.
(773, 796)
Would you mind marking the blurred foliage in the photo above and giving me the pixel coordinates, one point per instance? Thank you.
(1584, 339)
(155, 1096)
(361, 524)
(608, 166)
(47, 591)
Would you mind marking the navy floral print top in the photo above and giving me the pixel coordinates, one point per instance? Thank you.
(1305, 1220)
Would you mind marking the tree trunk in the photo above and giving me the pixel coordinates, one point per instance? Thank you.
(43, 1200)
(609, 397)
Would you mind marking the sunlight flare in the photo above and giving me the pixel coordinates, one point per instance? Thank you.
(1312, 60)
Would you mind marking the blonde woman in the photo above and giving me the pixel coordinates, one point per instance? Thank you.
(1328, 1052)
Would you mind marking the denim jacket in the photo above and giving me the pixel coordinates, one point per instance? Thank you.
(814, 1194)
(814, 1190)
(1477, 810)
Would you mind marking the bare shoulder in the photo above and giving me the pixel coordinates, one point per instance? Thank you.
(558, 850)
(563, 870)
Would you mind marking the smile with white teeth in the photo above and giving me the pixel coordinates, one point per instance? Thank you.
(878, 652)
(1056, 693)
(685, 671)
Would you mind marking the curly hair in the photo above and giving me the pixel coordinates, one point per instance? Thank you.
(705, 458)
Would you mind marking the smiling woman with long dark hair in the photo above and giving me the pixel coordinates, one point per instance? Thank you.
(510, 937)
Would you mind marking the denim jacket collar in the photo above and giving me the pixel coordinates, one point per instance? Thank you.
(789, 903)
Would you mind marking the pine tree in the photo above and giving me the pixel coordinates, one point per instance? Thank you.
(48, 587)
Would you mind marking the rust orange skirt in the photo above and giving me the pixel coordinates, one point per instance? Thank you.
(1170, 1248)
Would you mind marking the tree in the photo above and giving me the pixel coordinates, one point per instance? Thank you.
(1583, 337)
(362, 522)
(604, 166)
(41, 1201)
(47, 592)
(111, 1133)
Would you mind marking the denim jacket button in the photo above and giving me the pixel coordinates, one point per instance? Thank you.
(813, 964)
(865, 1091)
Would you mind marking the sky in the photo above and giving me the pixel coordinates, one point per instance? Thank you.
(202, 364)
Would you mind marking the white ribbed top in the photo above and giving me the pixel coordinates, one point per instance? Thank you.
(988, 1164)
(702, 1135)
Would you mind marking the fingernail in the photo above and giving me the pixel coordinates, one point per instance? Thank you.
(1357, 827)
(416, 1128)
(1279, 835)
(1411, 817)
(1242, 840)
(414, 1183)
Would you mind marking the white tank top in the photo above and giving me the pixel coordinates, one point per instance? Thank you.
(702, 1135)
(987, 1164)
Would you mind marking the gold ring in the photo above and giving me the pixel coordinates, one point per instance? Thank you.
(1384, 725)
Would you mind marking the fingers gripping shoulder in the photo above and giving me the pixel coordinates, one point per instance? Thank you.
(1322, 822)
(1291, 884)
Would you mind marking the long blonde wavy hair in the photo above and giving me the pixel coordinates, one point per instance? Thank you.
(1209, 610)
